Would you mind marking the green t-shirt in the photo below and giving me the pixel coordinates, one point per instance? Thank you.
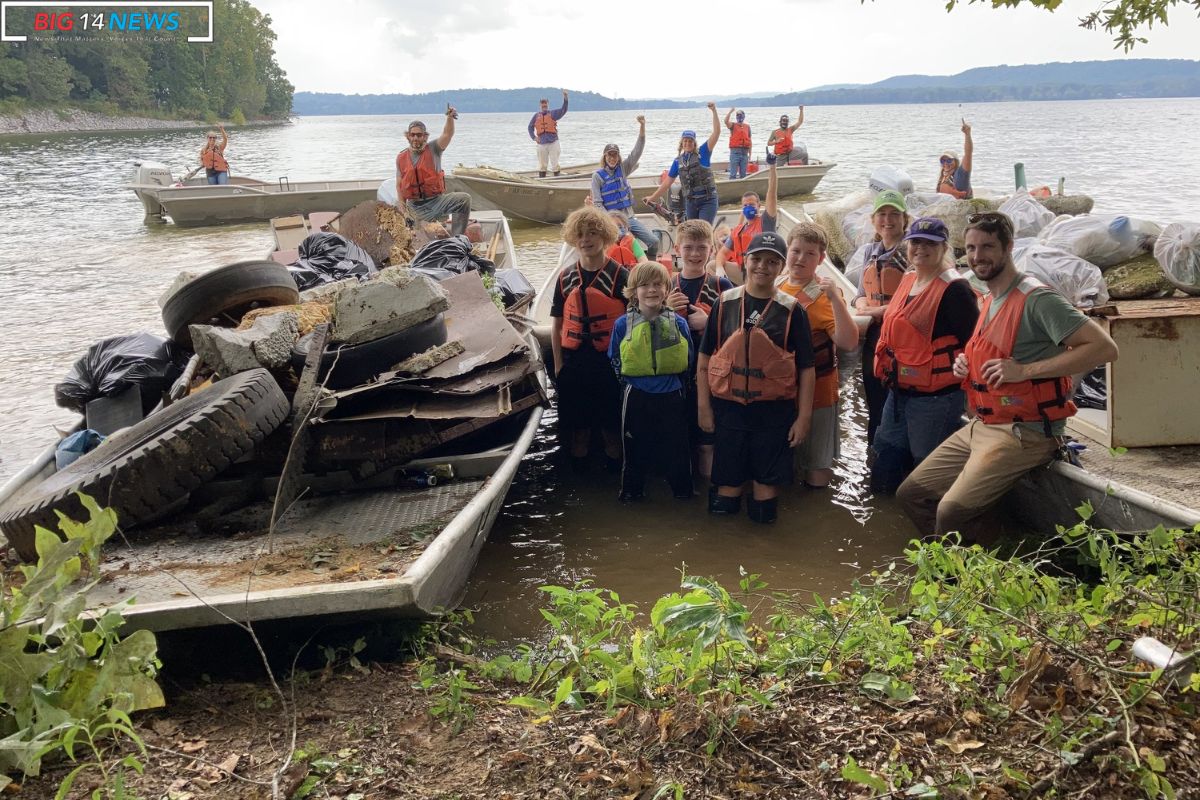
(1048, 321)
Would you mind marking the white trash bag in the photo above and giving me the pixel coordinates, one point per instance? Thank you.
(386, 193)
(1064, 272)
(1104, 240)
(916, 201)
(1178, 253)
(855, 264)
(857, 227)
(1028, 215)
(889, 177)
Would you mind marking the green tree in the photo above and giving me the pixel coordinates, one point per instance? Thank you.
(1123, 19)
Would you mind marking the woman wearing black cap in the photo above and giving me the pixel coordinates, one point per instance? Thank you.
(611, 190)
(781, 140)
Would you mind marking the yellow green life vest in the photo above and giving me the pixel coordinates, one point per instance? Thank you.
(653, 346)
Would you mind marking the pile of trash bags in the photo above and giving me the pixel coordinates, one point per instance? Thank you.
(328, 258)
(113, 365)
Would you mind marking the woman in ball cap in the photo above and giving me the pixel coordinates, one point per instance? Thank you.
(926, 325)
(693, 167)
(212, 158)
(955, 178)
(611, 190)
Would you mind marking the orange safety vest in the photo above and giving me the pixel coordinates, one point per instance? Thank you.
(739, 135)
(906, 355)
(880, 280)
(545, 123)
(212, 158)
(751, 366)
(741, 237)
(824, 352)
(1047, 399)
(419, 181)
(589, 315)
(622, 252)
(783, 141)
(710, 292)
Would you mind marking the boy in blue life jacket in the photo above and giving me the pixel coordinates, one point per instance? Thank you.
(651, 350)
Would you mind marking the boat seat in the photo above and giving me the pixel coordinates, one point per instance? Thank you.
(289, 231)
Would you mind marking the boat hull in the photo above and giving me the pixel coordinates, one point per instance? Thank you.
(253, 202)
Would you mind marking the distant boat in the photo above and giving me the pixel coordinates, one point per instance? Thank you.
(550, 200)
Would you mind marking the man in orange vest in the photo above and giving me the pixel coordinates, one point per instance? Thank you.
(1016, 370)
(739, 144)
(543, 129)
(781, 141)
(421, 184)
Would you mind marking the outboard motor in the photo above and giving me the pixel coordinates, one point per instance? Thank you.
(147, 177)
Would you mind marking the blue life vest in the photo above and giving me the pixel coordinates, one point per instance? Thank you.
(615, 193)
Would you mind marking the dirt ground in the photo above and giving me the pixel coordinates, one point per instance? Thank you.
(368, 733)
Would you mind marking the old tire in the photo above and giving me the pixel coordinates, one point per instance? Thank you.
(222, 296)
(355, 364)
(141, 469)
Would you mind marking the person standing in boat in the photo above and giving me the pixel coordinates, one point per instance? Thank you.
(739, 144)
(693, 167)
(784, 146)
(611, 190)
(884, 264)
(955, 177)
(925, 327)
(420, 181)
(543, 129)
(651, 349)
(212, 158)
(589, 297)
(1016, 370)
(754, 381)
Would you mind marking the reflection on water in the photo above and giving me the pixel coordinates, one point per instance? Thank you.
(78, 263)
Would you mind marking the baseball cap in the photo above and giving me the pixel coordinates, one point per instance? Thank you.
(768, 242)
(611, 148)
(929, 228)
(688, 135)
(889, 197)
(950, 154)
(416, 123)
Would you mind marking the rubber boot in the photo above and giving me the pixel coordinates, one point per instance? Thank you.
(763, 511)
(556, 173)
(542, 174)
(717, 504)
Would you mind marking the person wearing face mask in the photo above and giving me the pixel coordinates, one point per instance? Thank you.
(926, 325)
(651, 350)
(757, 217)
(955, 177)
(693, 167)
(611, 190)
(781, 141)
(739, 144)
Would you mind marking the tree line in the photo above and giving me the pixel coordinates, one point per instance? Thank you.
(235, 76)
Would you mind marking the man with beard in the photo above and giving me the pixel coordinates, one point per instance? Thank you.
(420, 182)
(1016, 370)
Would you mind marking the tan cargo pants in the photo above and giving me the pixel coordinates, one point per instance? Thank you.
(969, 472)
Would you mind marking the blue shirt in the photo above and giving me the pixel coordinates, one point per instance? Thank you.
(651, 384)
(547, 138)
(705, 160)
(962, 180)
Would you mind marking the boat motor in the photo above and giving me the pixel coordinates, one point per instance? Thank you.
(147, 177)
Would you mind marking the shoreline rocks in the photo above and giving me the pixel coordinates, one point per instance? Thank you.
(74, 120)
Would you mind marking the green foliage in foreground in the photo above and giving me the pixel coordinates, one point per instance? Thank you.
(948, 621)
(1123, 19)
(69, 683)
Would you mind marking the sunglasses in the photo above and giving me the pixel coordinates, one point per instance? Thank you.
(945, 160)
(987, 217)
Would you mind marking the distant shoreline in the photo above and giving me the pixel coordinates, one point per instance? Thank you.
(75, 120)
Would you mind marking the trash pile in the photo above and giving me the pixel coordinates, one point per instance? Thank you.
(1089, 258)
(282, 372)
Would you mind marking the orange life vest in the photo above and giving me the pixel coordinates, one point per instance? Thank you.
(751, 366)
(710, 292)
(739, 135)
(783, 141)
(589, 315)
(545, 123)
(824, 352)
(906, 356)
(622, 252)
(740, 239)
(1045, 399)
(212, 158)
(419, 181)
(881, 279)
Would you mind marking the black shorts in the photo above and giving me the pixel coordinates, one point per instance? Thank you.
(762, 456)
(589, 396)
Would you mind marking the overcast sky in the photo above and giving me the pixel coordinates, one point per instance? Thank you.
(626, 48)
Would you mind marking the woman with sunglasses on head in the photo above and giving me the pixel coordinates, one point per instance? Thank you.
(693, 167)
(212, 158)
(955, 178)
(611, 190)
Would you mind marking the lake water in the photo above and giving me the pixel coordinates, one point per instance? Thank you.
(78, 264)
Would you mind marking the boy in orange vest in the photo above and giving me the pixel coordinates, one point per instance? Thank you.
(832, 329)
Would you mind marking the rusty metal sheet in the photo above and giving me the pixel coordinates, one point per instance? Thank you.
(492, 405)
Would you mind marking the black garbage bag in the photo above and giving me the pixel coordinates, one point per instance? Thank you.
(1093, 390)
(513, 285)
(443, 258)
(112, 365)
(327, 258)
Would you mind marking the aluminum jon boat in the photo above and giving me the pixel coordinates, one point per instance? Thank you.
(550, 200)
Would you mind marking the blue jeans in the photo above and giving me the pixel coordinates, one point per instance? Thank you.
(219, 179)
(911, 428)
(739, 158)
(705, 209)
(644, 235)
